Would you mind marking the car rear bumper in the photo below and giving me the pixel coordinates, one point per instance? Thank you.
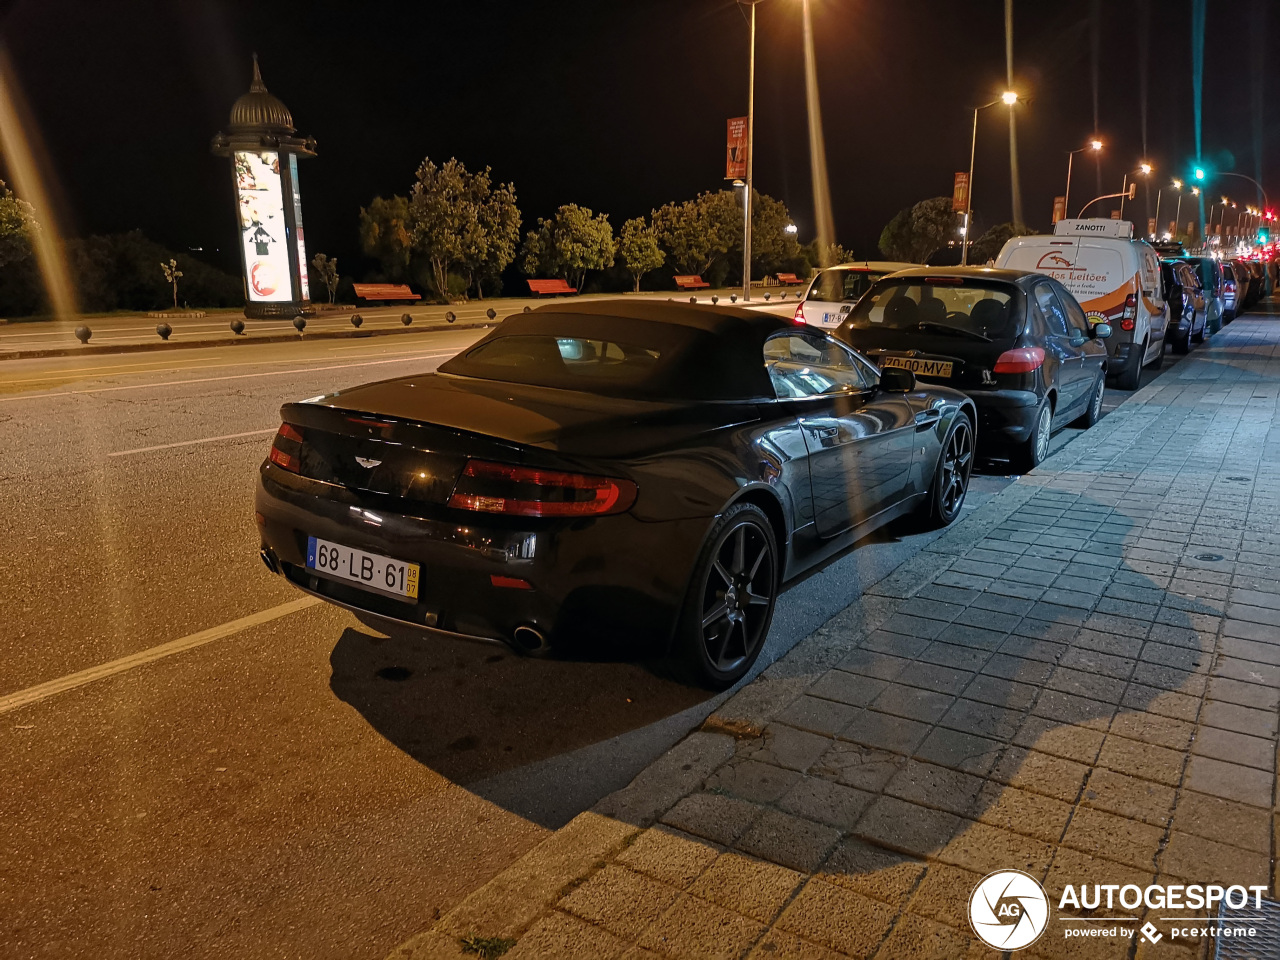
(603, 579)
(1005, 417)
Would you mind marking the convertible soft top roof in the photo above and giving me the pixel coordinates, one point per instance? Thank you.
(708, 352)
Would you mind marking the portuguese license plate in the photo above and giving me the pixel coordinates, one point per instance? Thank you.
(926, 368)
(368, 570)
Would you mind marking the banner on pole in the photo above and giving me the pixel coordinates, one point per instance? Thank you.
(1151, 225)
(960, 192)
(735, 161)
(1059, 209)
(1115, 214)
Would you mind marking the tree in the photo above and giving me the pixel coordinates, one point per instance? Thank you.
(385, 235)
(916, 232)
(572, 242)
(773, 247)
(327, 271)
(17, 221)
(988, 245)
(694, 233)
(639, 249)
(492, 239)
(171, 275)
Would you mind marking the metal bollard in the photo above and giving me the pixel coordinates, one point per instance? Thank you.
(163, 331)
(237, 327)
(299, 323)
(83, 334)
(356, 320)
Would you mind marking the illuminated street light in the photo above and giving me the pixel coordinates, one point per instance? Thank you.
(1145, 168)
(1009, 98)
(791, 228)
(1094, 145)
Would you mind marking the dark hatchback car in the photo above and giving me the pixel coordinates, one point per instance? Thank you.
(1018, 343)
(1188, 310)
(605, 472)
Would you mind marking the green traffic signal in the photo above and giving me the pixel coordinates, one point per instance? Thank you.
(1199, 173)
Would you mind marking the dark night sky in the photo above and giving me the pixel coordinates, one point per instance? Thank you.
(617, 106)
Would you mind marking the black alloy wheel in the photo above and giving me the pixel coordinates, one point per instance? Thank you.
(1094, 412)
(1033, 451)
(731, 598)
(951, 479)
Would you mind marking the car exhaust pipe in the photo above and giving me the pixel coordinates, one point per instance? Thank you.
(269, 559)
(528, 639)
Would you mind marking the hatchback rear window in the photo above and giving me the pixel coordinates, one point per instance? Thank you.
(960, 309)
(842, 286)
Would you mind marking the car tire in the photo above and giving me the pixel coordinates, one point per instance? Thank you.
(1182, 341)
(1031, 452)
(1094, 412)
(730, 601)
(1131, 376)
(1195, 337)
(950, 477)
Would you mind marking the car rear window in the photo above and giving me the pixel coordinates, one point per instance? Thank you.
(842, 286)
(1088, 270)
(938, 307)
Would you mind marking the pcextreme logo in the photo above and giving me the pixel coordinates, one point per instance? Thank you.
(1008, 910)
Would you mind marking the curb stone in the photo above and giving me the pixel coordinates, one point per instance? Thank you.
(89, 348)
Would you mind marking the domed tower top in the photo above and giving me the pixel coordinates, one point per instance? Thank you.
(260, 112)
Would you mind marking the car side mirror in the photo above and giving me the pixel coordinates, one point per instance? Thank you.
(897, 380)
(1101, 331)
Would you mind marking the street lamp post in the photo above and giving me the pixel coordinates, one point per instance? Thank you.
(1177, 216)
(1145, 170)
(751, 129)
(1009, 98)
(1094, 145)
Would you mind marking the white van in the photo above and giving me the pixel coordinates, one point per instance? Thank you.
(1116, 279)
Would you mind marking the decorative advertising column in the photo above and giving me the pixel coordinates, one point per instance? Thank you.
(264, 153)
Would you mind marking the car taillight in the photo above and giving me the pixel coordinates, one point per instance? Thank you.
(1127, 323)
(1231, 286)
(1019, 360)
(533, 492)
(1130, 308)
(286, 448)
(799, 317)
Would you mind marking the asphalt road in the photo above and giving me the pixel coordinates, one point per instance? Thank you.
(301, 783)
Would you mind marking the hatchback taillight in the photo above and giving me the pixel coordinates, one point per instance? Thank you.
(1130, 307)
(1020, 360)
(799, 317)
(533, 492)
(286, 448)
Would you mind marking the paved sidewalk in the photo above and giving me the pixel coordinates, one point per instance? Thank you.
(1080, 681)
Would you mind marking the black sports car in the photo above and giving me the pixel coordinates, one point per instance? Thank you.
(1016, 342)
(608, 470)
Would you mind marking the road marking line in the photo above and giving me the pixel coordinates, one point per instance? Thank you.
(188, 443)
(238, 376)
(71, 681)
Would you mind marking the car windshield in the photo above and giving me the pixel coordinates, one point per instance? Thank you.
(937, 306)
(842, 286)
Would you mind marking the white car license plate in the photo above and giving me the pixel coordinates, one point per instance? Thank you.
(368, 570)
(926, 368)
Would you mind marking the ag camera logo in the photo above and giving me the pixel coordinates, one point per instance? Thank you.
(1008, 910)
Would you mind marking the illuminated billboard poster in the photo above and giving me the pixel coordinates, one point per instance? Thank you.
(262, 226)
(297, 225)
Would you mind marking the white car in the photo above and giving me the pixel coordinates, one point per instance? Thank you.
(834, 291)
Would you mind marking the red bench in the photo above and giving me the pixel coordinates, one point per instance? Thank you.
(786, 279)
(690, 282)
(384, 291)
(552, 287)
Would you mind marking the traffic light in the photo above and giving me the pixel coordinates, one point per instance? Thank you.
(1199, 173)
(1264, 234)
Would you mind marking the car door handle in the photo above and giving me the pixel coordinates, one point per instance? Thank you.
(927, 418)
(826, 433)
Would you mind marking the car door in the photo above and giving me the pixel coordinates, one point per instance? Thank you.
(859, 438)
(1062, 347)
(1093, 353)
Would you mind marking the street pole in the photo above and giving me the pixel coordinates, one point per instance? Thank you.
(1124, 187)
(1177, 217)
(968, 196)
(1156, 231)
(1066, 200)
(751, 156)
